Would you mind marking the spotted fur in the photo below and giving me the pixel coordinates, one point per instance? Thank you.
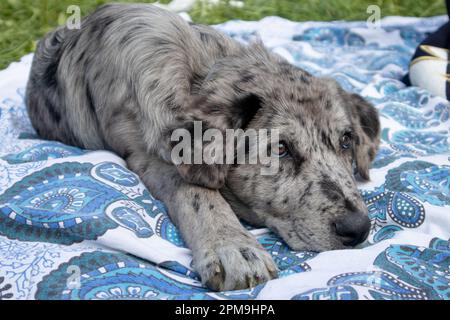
(134, 73)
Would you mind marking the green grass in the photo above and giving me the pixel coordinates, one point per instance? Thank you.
(22, 22)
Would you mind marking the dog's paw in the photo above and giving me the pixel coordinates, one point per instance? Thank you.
(234, 266)
(209, 176)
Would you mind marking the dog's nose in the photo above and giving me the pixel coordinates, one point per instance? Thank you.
(354, 227)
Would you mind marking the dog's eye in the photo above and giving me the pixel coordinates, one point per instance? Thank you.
(281, 150)
(346, 140)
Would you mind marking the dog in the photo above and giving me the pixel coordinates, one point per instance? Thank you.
(134, 73)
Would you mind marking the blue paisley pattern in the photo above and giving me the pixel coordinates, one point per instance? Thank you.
(43, 151)
(116, 174)
(288, 261)
(408, 116)
(425, 268)
(56, 204)
(167, 230)
(392, 152)
(107, 276)
(379, 284)
(132, 220)
(400, 207)
(407, 273)
(430, 143)
(401, 198)
(64, 203)
(114, 276)
(330, 36)
(430, 185)
(77, 224)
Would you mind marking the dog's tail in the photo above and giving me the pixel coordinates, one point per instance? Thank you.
(42, 96)
(47, 56)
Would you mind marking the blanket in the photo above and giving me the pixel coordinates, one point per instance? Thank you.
(77, 224)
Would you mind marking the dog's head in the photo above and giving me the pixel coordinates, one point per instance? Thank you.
(325, 134)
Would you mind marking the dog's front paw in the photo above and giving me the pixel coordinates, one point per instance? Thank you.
(231, 265)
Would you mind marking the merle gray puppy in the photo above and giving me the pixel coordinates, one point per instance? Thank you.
(134, 73)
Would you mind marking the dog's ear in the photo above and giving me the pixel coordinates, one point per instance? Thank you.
(366, 124)
(232, 112)
(230, 94)
(227, 97)
(221, 104)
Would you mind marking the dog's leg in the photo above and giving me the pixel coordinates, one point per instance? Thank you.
(225, 254)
